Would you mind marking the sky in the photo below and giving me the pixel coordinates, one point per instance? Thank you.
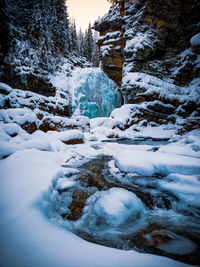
(85, 11)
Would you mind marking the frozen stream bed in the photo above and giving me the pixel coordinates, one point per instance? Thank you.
(132, 199)
(136, 200)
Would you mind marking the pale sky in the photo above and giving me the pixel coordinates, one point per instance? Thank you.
(85, 11)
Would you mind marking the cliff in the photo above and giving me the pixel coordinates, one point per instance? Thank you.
(151, 50)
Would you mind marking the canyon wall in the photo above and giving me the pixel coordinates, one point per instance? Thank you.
(151, 50)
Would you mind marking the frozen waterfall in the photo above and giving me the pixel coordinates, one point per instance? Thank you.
(93, 93)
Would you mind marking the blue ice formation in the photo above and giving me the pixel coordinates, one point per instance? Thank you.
(94, 94)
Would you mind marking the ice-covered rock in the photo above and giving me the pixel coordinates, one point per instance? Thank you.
(112, 208)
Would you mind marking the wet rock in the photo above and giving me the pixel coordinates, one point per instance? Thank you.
(76, 208)
(96, 175)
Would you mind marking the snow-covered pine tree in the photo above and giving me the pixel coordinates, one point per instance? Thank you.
(95, 50)
(73, 37)
(80, 43)
(90, 42)
(38, 32)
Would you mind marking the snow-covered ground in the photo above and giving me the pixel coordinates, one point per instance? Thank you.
(35, 167)
(29, 238)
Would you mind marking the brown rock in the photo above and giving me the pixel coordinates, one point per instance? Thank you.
(73, 142)
(78, 202)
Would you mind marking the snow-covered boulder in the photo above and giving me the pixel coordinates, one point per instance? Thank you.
(112, 208)
(57, 123)
(69, 137)
(26, 118)
(195, 43)
(5, 89)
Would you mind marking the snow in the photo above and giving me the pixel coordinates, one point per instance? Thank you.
(17, 115)
(4, 88)
(38, 167)
(150, 84)
(65, 136)
(28, 238)
(115, 206)
(62, 123)
(105, 49)
(123, 112)
(110, 35)
(185, 187)
(151, 163)
(188, 145)
(140, 41)
(195, 40)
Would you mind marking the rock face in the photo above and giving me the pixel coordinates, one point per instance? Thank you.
(112, 43)
(151, 49)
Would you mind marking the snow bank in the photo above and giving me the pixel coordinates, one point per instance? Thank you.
(186, 145)
(151, 163)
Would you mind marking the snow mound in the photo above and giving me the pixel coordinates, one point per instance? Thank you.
(195, 40)
(68, 135)
(113, 207)
(5, 89)
(18, 115)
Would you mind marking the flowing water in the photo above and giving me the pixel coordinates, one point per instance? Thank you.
(162, 223)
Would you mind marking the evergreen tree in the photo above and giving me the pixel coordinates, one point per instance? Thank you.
(73, 37)
(80, 43)
(38, 31)
(90, 42)
(95, 50)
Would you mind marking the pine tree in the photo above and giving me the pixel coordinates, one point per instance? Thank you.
(80, 43)
(38, 31)
(73, 37)
(95, 50)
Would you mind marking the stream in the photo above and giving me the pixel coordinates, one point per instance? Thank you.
(148, 218)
